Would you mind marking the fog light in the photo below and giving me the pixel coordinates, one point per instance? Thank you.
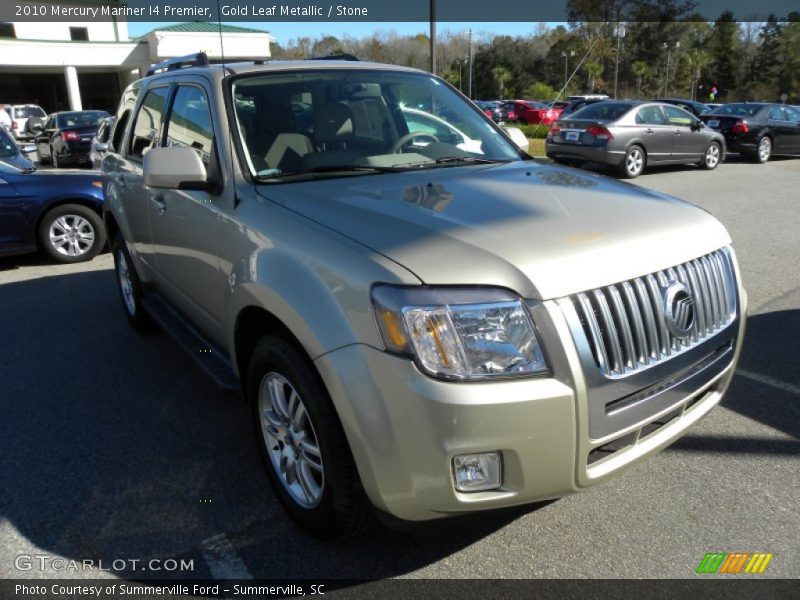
(477, 472)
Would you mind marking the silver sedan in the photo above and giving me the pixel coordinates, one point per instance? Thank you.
(631, 136)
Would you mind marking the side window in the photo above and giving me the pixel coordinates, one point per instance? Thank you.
(51, 123)
(775, 113)
(118, 130)
(650, 115)
(792, 114)
(676, 116)
(148, 122)
(190, 122)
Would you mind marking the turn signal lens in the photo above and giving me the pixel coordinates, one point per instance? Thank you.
(600, 133)
(740, 127)
(70, 136)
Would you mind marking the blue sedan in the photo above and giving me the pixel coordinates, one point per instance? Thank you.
(55, 212)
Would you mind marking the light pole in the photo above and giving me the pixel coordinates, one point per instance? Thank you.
(469, 58)
(620, 34)
(460, 62)
(566, 69)
(433, 36)
(667, 46)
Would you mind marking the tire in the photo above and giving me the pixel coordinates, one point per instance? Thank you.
(634, 162)
(54, 159)
(130, 287)
(302, 443)
(712, 157)
(764, 151)
(72, 233)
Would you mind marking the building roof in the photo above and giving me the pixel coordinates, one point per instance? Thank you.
(200, 27)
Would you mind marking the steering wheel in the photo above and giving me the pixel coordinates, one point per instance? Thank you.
(399, 144)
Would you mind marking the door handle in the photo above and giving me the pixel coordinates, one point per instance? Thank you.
(648, 130)
(161, 205)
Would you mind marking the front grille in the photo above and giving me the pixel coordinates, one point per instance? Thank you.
(625, 325)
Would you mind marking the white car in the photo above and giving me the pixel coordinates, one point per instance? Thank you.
(20, 113)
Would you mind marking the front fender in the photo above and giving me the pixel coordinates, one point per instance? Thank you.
(316, 282)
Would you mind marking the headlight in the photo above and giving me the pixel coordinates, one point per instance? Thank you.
(459, 333)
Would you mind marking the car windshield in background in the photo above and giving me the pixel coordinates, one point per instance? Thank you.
(335, 120)
(80, 119)
(602, 111)
(739, 110)
(8, 147)
(25, 112)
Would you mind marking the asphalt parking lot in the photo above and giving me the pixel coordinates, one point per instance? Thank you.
(114, 446)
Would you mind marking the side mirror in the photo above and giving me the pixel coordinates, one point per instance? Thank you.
(697, 125)
(101, 146)
(175, 168)
(28, 149)
(37, 128)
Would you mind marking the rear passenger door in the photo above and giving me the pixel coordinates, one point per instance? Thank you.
(185, 223)
(793, 118)
(782, 130)
(655, 133)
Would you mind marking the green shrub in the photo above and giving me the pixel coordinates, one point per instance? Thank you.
(535, 131)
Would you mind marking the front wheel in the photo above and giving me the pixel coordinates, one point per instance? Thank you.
(712, 156)
(634, 162)
(302, 443)
(72, 233)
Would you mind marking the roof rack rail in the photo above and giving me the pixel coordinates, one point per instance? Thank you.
(340, 56)
(171, 64)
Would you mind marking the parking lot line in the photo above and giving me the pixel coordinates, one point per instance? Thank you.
(222, 560)
(770, 381)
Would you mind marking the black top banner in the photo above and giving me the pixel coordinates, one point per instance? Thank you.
(405, 11)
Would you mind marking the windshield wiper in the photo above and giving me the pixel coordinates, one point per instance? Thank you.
(469, 159)
(269, 174)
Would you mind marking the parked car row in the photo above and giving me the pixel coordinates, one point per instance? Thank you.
(633, 135)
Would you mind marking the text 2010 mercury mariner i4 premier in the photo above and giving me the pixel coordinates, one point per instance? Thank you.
(426, 321)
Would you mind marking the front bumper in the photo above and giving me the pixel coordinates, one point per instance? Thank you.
(404, 428)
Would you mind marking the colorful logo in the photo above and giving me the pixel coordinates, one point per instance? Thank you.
(734, 562)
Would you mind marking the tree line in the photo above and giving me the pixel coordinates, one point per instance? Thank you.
(674, 53)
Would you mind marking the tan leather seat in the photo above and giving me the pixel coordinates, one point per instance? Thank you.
(287, 151)
(333, 129)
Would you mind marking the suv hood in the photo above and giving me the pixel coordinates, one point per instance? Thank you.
(544, 231)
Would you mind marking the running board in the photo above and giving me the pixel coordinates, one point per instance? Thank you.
(200, 350)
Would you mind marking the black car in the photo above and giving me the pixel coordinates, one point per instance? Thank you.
(496, 111)
(698, 109)
(757, 129)
(575, 105)
(65, 139)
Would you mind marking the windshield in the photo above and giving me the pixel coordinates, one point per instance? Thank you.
(80, 119)
(8, 147)
(24, 112)
(324, 121)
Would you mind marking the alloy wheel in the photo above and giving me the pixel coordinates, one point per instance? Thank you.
(290, 440)
(125, 283)
(634, 162)
(712, 156)
(764, 149)
(71, 235)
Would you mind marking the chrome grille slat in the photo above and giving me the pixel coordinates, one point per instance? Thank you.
(625, 325)
(642, 349)
(625, 322)
(611, 330)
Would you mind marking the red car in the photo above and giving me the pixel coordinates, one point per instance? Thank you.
(531, 112)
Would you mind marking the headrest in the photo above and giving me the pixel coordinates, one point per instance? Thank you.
(332, 123)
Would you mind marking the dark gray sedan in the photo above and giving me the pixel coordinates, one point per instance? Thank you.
(632, 135)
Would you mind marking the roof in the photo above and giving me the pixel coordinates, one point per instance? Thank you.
(200, 27)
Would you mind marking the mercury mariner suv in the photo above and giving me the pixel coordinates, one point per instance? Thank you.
(426, 321)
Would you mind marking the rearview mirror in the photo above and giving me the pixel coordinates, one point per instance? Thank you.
(175, 168)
